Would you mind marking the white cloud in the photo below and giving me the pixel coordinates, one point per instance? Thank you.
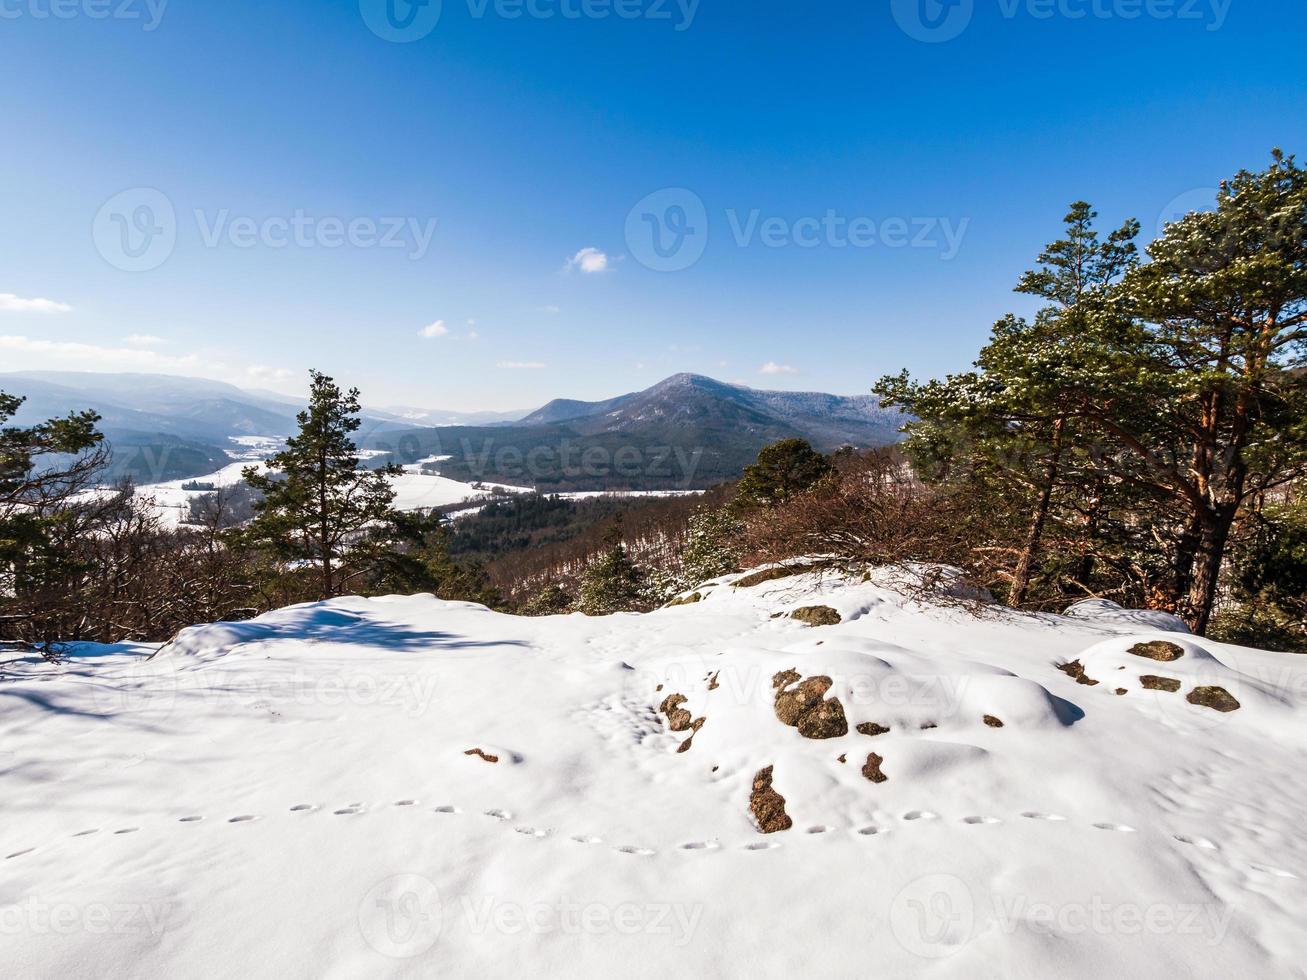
(9, 303)
(433, 330)
(771, 367)
(97, 358)
(589, 260)
(521, 365)
(143, 340)
(263, 374)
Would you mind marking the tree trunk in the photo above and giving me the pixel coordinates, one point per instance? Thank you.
(1026, 563)
(1207, 571)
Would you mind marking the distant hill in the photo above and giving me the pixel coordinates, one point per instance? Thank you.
(685, 432)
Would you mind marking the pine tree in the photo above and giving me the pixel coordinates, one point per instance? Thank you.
(317, 501)
(612, 582)
(710, 548)
(783, 469)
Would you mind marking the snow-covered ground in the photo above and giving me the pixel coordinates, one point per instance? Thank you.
(293, 796)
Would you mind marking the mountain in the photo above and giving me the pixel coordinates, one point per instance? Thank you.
(435, 416)
(686, 432)
(686, 403)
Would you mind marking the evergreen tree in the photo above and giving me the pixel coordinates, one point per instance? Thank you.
(552, 600)
(612, 582)
(413, 555)
(710, 548)
(783, 469)
(317, 500)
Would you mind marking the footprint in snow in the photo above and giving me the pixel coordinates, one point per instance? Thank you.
(302, 808)
(1277, 872)
(762, 845)
(127, 830)
(447, 809)
(531, 832)
(1196, 841)
(1036, 815)
(406, 803)
(700, 845)
(583, 839)
(243, 818)
(869, 831)
(87, 833)
(632, 849)
(1122, 828)
(981, 820)
(920, 815)
(499, 814)
(818, 829)
(18, 854)
(347, 811)
(190, 819)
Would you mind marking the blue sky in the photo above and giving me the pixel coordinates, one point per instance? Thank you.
(867, 197)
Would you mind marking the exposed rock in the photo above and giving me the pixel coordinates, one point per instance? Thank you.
(1077, 670)
(685, 746)
(1217, 698)
(712, 681)
(871, 728)
(993, 722)
(802, 707)
(816, 616)
(685, 600)
(1160, 650)
(482, 754)
(785, 678)
(767, 805)
(872, 769)
(843, 758)
(1121, 690)
(678, 719)
(928, 725)
(771, 574)
(1152, 682)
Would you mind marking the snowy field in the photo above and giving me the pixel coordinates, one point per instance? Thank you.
(294, 797)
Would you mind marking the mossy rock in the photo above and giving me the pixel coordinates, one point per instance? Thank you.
(1152, 682)
(872, 729)
(802, 706)
(1216, 698)
(1159, 650)
(817, 616)
(872, 768)
(771, 575)
(685, 600)
(1077, 670)
(767, 805)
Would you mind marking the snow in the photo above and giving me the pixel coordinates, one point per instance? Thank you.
(291, 797)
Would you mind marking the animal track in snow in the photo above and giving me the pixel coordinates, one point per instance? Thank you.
(1277, 872)
(981, 820)
(406, 802)
(447, 809)
(194, 818)
(303, 808)
(18, 854)
(499, 814)
(347, 811)
(920, 815)
(701, 845)
(818, 829)
(869, 831)
(1123, 828)
(87, 833)
(1196, 841)
(1036, 815)
(583, 839)
(761, 845)
(532, 832)
(127, 830)
(243, 818)
(632, 849)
